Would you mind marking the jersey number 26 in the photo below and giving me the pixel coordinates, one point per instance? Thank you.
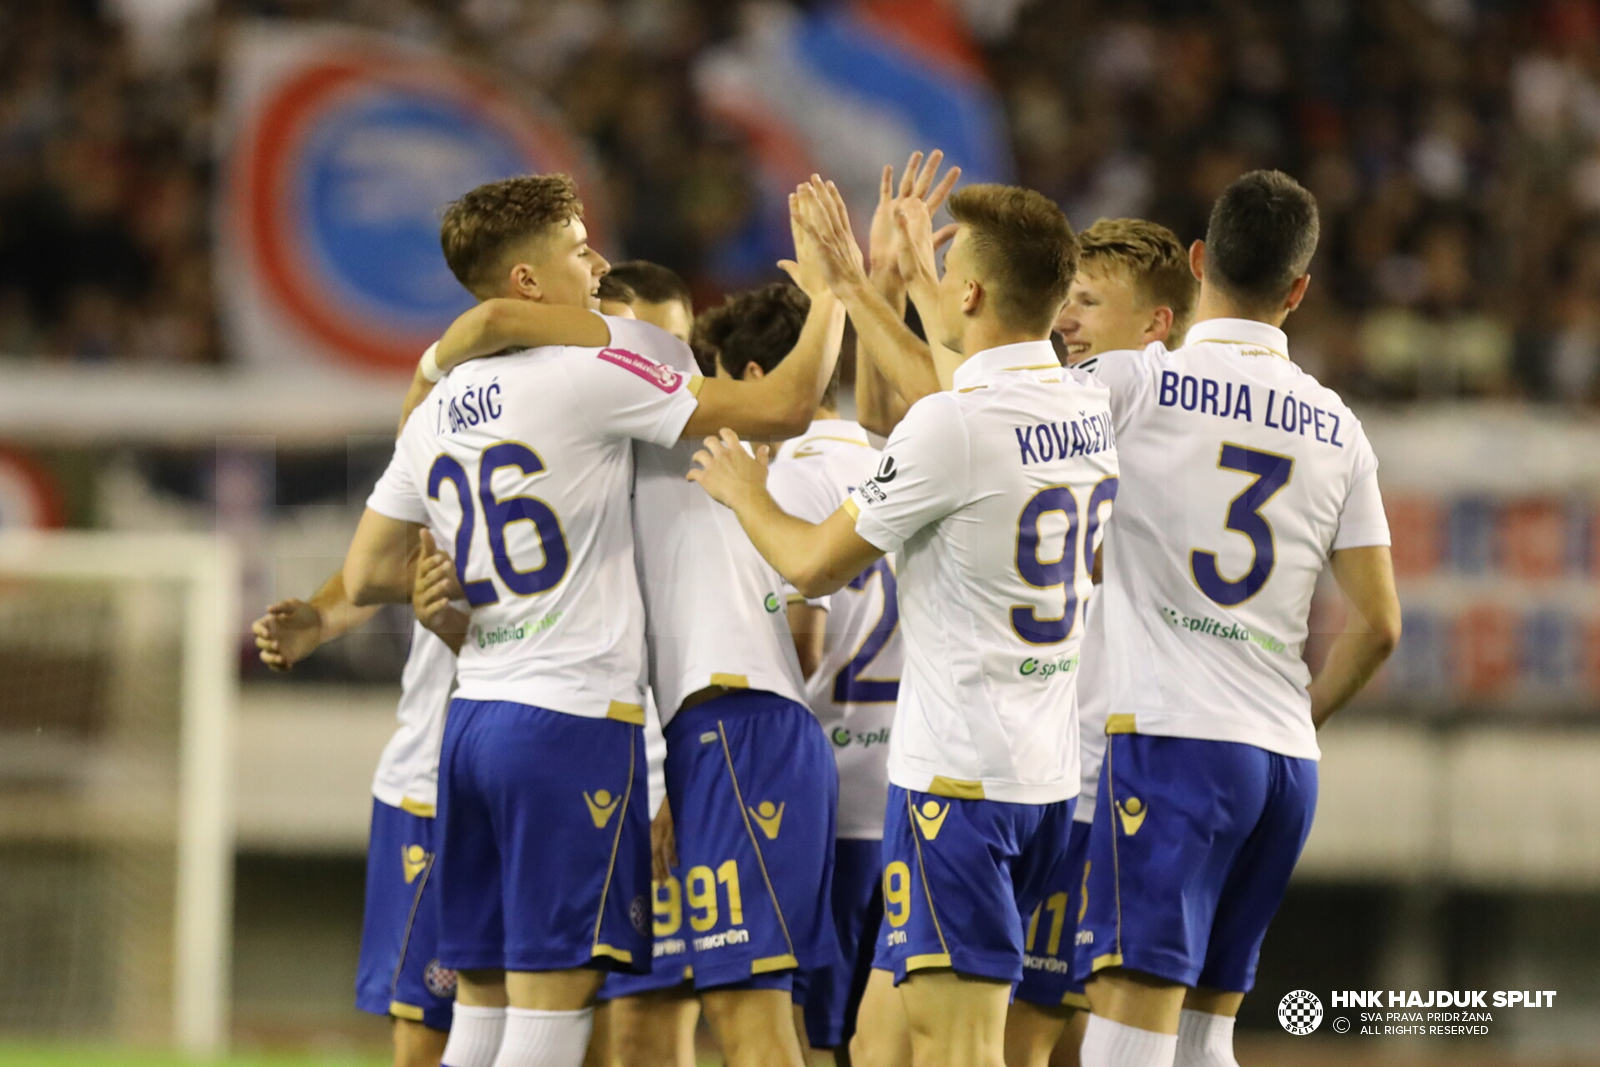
(497, 515)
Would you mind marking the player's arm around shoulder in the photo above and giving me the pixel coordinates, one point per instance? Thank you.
(816, 558)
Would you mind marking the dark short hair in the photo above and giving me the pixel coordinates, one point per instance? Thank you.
(1261, 237)
(616, 291)
(1025, 248)
(760, 326)
(478, 230)
(650, 282)
(1154, 260)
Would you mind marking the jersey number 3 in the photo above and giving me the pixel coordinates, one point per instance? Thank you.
(1271, 473)
(497, 515)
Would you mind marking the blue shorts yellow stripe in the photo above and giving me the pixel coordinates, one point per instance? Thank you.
(1189, 856)
(753, 788)
(960, 878)
(545, 859)
(399, 972)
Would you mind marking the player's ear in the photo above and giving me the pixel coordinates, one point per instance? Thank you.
(1297, 292)
(524, 282)
(1197, 260)
(1159, 328)
(972, 297)
(753, 372)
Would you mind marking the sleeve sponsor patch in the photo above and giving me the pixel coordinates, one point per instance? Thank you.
(664, 378)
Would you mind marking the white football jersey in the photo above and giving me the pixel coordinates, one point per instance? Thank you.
(520, 466)
(408, 770)
(1094, 704)
(988, 493)
(1241, 475)
(857, 682)
(715, 608)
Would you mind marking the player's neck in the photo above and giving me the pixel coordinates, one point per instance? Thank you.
(825, 414)
(984, 334)
(1215, 305)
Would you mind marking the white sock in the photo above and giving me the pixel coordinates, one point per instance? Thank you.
(1205, 1040)
(474, 1036)
(545, 1038)
(1109, 1044)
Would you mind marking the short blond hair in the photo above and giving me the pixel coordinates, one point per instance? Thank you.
(479, 229)
(1153, 258)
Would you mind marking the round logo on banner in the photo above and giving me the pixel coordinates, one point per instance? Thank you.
(346, 173)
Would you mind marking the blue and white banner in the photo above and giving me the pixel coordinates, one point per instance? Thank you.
(340, 150)
(841, 92)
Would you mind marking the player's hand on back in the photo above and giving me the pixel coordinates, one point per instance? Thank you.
(289, 632)
(730, 474)
(435, 587)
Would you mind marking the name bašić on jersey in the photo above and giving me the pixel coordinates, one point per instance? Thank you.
(989, 495)
(521, 467)
(853, 693)
(1241, 476)
(399, 972)
(749, 777)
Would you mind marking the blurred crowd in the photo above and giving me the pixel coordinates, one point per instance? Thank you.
(1454, 146)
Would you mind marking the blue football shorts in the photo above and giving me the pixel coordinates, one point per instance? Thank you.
(832, 994)
(1047, 962)
(961, 877)
(545, 860)
(753, 788)
(399, 973)
(670, 967)
(1190, 853)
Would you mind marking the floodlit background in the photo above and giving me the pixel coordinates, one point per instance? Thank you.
(218, 261)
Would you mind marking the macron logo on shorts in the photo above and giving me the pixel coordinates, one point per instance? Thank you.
(663, 378)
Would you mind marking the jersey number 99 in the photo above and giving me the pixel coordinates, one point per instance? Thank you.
(497, 515)
(1062, 570)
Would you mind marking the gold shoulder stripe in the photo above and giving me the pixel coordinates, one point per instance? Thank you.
(695, 382)
(851, 507)
(972, 388)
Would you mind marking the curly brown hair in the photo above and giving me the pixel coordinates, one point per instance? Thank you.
(478, 231)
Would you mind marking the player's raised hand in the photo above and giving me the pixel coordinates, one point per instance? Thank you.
(729, 473)
(917, 242)
(289, 632)
(806, 269)
(823, 217)
(434, 587)
(916, 182)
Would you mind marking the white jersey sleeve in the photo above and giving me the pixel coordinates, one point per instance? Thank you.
(1362, 522)
(396, 494)
(922, 478)
(628, 391)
